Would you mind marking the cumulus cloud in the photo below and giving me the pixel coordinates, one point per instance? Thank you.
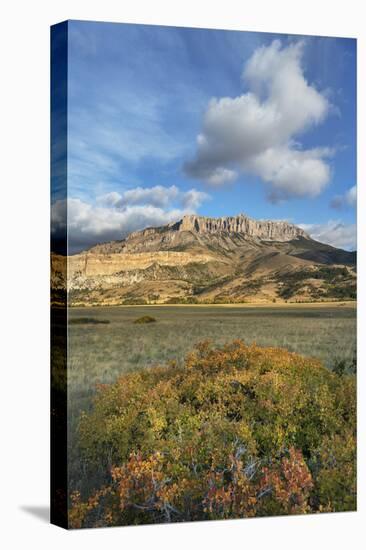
(258, 131)
(351, 196)
(333, 232)
(114, 215)
(158, 196)
(347, 199)
(192, 199)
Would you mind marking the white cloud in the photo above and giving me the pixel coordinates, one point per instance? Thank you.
(88, 224)
(292, 172)
(192, 199)
(115, 215)
(109, 199)
(217, 176)
(256, 131)
(333, 232)
(159, 196)
(349, 198)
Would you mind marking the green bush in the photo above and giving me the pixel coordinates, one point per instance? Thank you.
(88, 321)
(235, 432)
(145, 319)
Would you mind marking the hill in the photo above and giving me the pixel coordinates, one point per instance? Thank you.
(209, 260)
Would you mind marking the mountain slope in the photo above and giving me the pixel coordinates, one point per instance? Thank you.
(211, 260)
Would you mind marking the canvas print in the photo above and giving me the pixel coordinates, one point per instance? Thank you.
(203, 281)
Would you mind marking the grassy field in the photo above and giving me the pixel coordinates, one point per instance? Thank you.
(105, 342)
(100, 352)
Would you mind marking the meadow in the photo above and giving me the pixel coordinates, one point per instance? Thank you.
(106, 343)
(112, 344)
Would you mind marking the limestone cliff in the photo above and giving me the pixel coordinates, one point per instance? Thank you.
(263, 230)
(259, 229)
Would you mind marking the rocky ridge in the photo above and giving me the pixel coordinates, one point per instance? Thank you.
(204, 260)
(241, 224)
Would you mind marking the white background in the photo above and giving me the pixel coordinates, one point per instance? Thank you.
(24, 315)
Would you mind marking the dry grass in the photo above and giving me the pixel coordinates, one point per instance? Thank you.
(102, 352)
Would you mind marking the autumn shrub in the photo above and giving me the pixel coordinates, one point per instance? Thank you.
(237, 431)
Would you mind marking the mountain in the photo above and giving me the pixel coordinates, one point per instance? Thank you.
(210, 260)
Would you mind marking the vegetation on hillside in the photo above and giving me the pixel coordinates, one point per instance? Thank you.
(237, 431)
(336, 283)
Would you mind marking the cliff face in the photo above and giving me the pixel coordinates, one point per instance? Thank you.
(256, 229)
(263, 230)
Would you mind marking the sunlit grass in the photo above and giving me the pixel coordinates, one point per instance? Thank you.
(99, 353)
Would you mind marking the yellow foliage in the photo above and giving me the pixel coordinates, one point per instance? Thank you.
(236, 431)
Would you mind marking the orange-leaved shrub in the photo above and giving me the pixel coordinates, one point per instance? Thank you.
(237, 431)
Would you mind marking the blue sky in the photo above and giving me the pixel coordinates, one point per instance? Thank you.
(163, 121)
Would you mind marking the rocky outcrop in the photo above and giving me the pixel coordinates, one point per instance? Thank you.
(263, 230)
(193, 229)
(93, 265)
